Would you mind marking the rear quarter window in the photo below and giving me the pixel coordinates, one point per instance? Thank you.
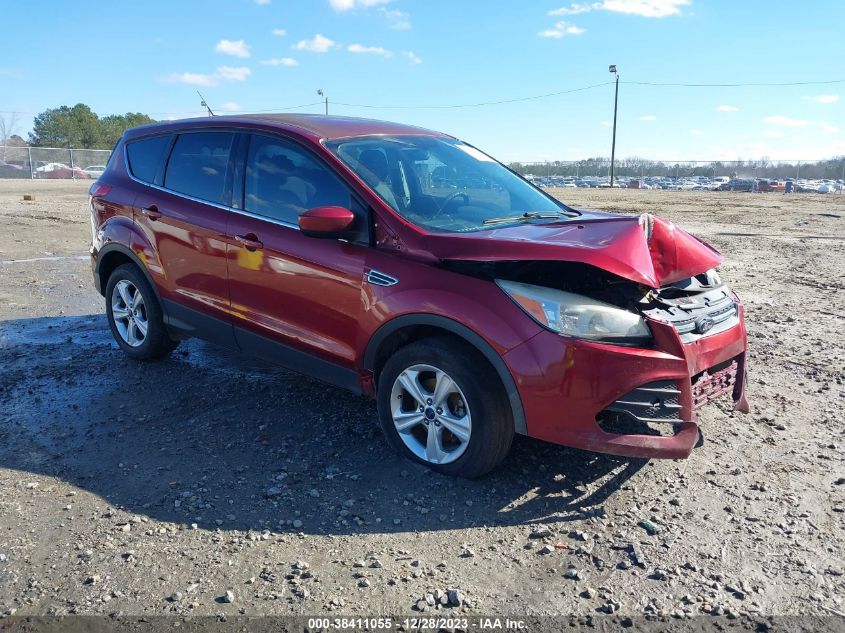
(145, 156)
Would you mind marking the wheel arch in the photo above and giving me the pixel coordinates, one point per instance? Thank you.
(407, 328)
(110, 257)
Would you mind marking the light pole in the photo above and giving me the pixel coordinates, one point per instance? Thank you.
(323, 94)
(612, 69)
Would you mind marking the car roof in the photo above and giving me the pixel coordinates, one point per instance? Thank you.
(326, 127)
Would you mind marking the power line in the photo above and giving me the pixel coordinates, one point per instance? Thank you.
(285, 109)
(514, 100)
(736, 85)
(472, 105)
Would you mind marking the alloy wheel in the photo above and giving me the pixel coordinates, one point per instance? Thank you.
(129, 313)
(430, 414)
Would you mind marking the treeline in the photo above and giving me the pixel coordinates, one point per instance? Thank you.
(638, 167)
(79, 127)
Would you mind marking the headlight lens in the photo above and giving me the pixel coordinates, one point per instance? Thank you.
(576, 315)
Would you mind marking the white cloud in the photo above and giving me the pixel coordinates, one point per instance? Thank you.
(347, 5)
(317, 44)
(398, 20)
(606, 123)
(192, 79)
(648, 117)
(262, 1)
(235, 48)
(279, 32)
(562, 29)
(772, 134)
(830, 129)
(412, 57)
(280, 61)
(230, 73)
(575, 9)
(696, 132)
(646, 8)
(785, 120)
(727, 108)
(642, 8)
(369, 50)
(823, 98)
(229, 106)
(223, 73)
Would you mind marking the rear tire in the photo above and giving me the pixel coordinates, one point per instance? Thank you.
(135, 316)
(441, 404)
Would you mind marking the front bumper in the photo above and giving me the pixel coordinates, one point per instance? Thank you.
(567, 384)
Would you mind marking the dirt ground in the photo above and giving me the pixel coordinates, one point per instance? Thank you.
(156, 488)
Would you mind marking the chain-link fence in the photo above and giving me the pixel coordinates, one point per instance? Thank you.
(55, 162)
(52, 162)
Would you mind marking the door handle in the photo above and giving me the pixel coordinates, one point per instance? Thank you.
(151, 212)
(250, 242)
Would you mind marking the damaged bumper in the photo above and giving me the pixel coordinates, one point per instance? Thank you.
(628, 401)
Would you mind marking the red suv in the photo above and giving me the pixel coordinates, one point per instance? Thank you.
(411, 267)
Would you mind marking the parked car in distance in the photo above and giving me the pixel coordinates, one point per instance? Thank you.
(737, 185)
(770, 185)
(60, 171)
(472, 307)
(9, 170)
(95, 171)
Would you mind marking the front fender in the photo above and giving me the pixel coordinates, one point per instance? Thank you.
(488, 330)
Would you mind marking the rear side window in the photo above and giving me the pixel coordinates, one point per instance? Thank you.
(198, 163)
(145, 156)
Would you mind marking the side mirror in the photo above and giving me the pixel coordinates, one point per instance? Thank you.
(330, 222)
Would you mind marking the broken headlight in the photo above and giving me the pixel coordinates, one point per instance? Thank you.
(576, 315)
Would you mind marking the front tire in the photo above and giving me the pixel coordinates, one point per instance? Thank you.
(135, 315)
(441, 404)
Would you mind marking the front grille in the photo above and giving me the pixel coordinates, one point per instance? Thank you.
(713, 383)
(718, 313)
(694, 317)
(655, 403)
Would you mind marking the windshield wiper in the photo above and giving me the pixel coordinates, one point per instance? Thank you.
(528, 215)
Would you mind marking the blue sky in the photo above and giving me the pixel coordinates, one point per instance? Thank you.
(260, 55)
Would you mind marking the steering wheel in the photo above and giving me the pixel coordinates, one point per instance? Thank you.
(449, 199)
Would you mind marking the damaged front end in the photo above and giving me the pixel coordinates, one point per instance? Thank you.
(634, 362)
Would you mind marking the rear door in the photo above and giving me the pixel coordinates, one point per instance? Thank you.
(295, 299)
(183, 216)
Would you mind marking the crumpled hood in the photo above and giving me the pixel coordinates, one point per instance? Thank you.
(647, 250)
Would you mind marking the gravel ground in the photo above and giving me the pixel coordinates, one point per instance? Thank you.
(210, 483)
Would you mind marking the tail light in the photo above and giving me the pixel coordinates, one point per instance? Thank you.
(99, 189)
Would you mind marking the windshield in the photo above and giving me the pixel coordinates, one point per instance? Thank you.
(443, 184)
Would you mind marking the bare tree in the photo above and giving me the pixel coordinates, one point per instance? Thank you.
(8, 126)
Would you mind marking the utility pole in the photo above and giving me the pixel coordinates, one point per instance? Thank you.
(612, 69)
(323, 94)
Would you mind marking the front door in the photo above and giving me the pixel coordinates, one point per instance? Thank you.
(294, 299)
